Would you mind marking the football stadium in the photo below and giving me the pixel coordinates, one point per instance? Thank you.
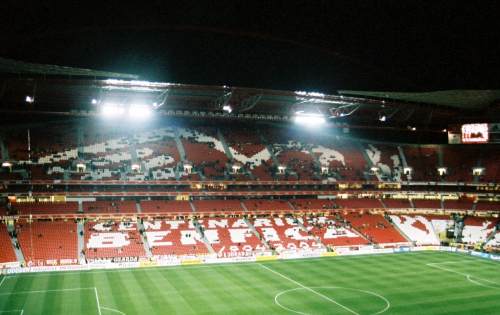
(127, 194)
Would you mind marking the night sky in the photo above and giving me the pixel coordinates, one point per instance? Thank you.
(297, 45)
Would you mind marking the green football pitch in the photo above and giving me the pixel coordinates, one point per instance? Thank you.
(409, 283)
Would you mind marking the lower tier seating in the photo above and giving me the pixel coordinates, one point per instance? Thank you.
(173, 237)
(47, 242)
(111, 239)
(231, 236)
(375, 228)
(417, 228)
(6, 251)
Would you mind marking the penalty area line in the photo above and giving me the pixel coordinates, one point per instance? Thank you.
(310, 290)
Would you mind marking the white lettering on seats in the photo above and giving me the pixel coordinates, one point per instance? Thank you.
(155, 238)
(213, 224)
(108, 240)
(270, 235)
(191, 237)
(239, 235)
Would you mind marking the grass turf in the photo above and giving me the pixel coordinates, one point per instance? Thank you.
(409, 283)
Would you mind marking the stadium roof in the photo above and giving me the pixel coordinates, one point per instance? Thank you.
(472, 99)
(20, 67)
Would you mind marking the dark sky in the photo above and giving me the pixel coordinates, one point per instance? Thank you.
(299, 45)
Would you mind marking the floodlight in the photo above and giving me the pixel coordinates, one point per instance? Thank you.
(30, 99)
(136, 167)
(478, 171)
(6, 164)
(374, 169)
(227, 108)
(112, 110)
(382, 118)
(139, 111)
(442, 171)
(94, 101)
(309, 119)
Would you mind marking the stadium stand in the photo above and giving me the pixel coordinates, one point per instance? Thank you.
(214, 206)
(359, 203)
(266, 205)
(417, 228)
(109, 207)
(6, 251)
(48, 242)
(111, 239)
(427, 204)
(423, 160)
(284, 233)
(333, 232)
(45, 207)
(230, 236)
(461, 204)
(397, 203)
(477, 230)
(165, 206)
(173, 237)
(375, 228)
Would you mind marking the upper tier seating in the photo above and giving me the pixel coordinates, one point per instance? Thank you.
(417, 228)
(375, 228)
(6, 251)
(163, 206)
(490, 160)
(424, 161)
(301, 162)
(48, 243)
(265, 205)
(173, 237)
(284, 233)
(427, 204)
(46, 207)
(333, 232)
(109, 239)
(459, 161)
(386, 158)
(359, 203)
(204, 151)
(109, 207)
(476, 230)
(230, 236)
(343, 158)
(233, 206)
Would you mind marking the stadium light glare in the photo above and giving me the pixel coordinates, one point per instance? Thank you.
(309, 119)
(6, 164)
(112, 110)
(94, 101)
(227, 108)
(30, 99)
(139, 111)
(382, 118)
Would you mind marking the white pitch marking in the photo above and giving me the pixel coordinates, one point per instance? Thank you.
(22, 312)
(310, 290)
(11, 311)
(1, 282)
(467, 276)
(42, 291)
(113, 310)
(387, 306)
(97, 299)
